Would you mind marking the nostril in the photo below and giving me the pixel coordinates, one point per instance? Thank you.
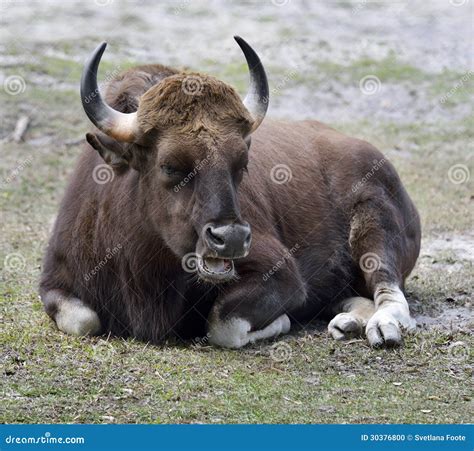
(214, 238)
(248, 239)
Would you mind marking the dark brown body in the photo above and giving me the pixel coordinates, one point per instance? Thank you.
(318, 215)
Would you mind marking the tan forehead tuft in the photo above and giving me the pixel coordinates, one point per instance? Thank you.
(192, 103)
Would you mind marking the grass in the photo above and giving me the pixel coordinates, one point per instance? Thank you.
(306, 377)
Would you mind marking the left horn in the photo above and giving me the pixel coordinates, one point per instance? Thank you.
(121, 126)
(256, 100)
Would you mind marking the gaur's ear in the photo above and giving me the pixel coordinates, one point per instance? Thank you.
(112, 152)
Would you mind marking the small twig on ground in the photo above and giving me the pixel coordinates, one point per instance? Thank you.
(74, 141)
(20, 129)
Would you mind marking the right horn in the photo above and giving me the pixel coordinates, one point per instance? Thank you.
(256, 100)
(121, 126)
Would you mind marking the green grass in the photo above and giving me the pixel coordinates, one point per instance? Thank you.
(51, 376)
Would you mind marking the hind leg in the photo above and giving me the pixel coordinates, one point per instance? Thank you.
(354, 316)
(70, 314)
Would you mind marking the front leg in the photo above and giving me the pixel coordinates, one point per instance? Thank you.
(391, 318)
(255, 306)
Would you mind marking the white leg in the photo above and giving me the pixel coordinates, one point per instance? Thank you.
(76, 318)
(235, 333)
(356, 312)
(391, 317)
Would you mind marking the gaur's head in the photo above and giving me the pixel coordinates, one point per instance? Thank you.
(188, 141)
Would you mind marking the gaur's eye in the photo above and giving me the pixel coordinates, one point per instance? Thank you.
(243, 168)
(239, 174)
(169, 170)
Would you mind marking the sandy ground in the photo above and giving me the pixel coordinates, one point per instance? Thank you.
(399, 74)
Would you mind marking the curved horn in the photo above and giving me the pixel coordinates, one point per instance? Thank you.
(256, 100)
(121, 126)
